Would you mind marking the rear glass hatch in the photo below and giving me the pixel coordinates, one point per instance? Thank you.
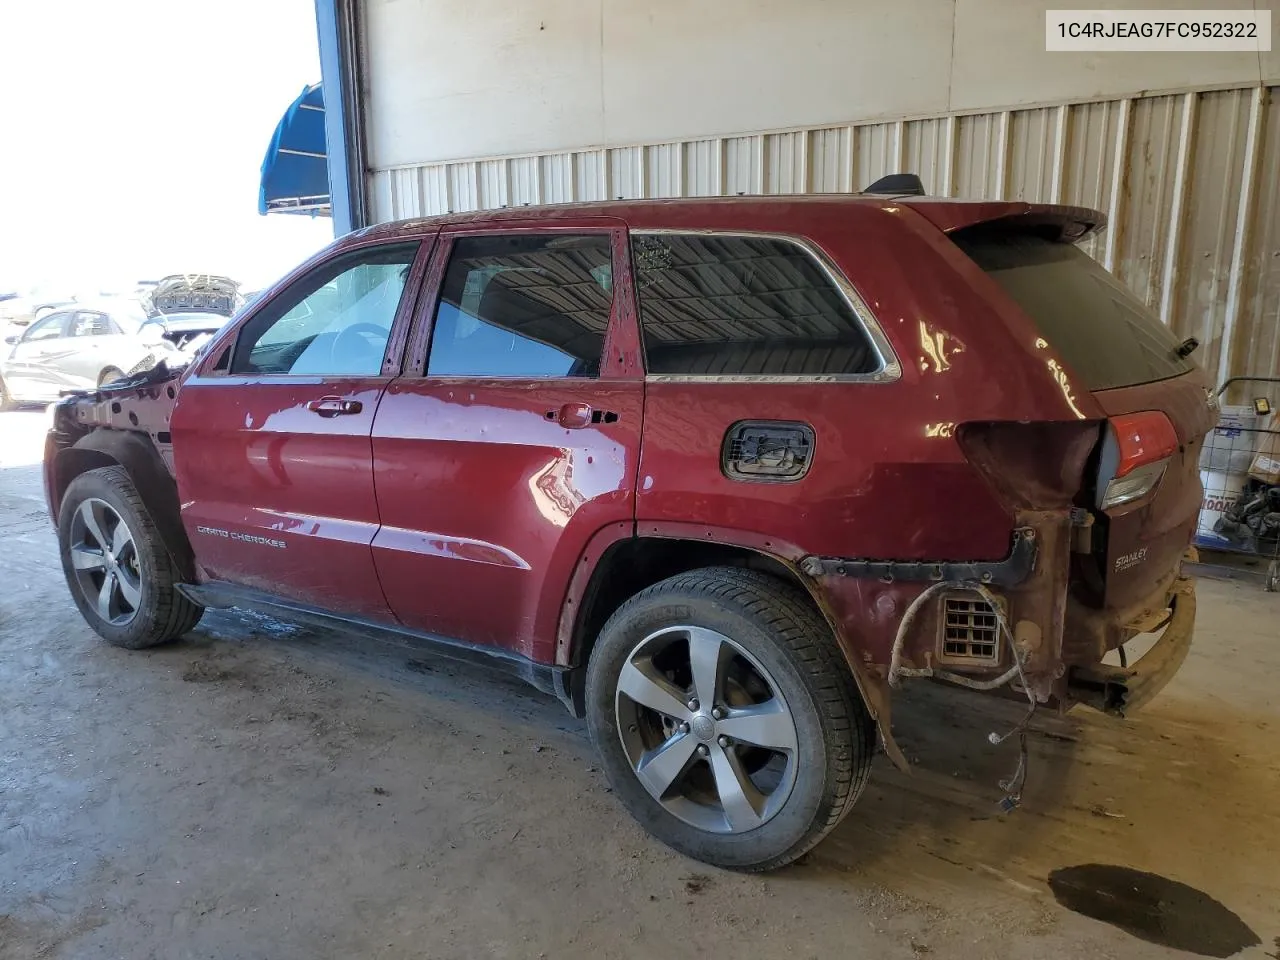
(1144, 485)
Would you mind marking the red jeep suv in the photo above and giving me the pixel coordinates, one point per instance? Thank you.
(719, 474)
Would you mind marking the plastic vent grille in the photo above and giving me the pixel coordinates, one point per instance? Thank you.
(970, 631)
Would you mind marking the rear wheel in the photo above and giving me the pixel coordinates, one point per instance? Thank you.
(109, 374)
(726, 718)
(120, 574)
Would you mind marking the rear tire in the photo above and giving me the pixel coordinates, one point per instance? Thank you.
(119, 572)
(109, 374)
(775, 660)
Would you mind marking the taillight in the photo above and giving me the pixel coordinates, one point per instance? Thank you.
(1134, 457)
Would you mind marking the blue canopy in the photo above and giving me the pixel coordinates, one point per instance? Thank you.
(295, 171)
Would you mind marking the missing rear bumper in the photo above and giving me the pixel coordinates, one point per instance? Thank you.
(1117, 690)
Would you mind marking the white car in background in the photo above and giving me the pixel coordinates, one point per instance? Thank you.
(83, 346)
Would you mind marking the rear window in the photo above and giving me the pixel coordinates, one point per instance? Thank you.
(1105, 334)
(740, 305)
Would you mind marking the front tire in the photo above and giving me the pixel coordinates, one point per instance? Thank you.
(755, 777)
(120, 574)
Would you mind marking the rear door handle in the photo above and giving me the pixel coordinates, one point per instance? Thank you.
(334, 406)
(574, 415)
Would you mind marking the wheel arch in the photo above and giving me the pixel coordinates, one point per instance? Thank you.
(102, 374)
(625, 565)
(139, 457)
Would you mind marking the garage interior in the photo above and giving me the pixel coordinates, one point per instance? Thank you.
(260, 789)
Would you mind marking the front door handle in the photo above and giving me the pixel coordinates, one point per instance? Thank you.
(334, 406)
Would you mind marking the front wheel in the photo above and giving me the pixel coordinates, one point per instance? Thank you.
(726, 718)
(119, 572)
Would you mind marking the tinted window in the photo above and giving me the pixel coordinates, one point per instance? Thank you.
(336, 323)
(523, 306)
(1104, 333)
(740, 305)
(46, 328)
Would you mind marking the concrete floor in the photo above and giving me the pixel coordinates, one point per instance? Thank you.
(259, 790)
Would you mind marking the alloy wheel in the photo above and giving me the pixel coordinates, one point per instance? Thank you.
(706, 729)
(105, 559)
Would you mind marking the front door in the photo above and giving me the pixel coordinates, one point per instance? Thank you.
(271, 436)
(519, 441)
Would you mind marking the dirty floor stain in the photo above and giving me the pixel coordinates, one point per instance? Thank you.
(1152, 908)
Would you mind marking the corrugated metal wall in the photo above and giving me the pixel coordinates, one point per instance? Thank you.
(1191, 183)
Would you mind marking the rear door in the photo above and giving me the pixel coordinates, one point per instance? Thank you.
(1131, 363)
(271, 436)
(517, 439)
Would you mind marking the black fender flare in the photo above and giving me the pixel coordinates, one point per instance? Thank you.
(136, 452)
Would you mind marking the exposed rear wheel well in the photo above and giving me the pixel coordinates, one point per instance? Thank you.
(630, 566)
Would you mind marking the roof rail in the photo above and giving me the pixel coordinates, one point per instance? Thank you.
(898, 185)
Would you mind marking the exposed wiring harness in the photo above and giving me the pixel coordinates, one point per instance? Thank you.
(1012, 786)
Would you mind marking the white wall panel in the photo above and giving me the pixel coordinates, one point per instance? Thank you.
(703, 168)
(1000, 60)
(493, 178)
(786, 162)
(875, 153)
(526, 181)
(557, 178)
(590, 178)
(664, 170)
(830, 160)
(675, 68)
(925, 152)
(626, 173)
(488, 77)
(1033, 141)
(743, 165)
(445, 80)
(978, 155)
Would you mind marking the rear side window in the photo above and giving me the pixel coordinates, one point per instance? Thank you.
(524, 306)
(1104, 333)
(731, 305)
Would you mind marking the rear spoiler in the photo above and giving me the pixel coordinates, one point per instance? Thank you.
(1051, 220)
(1054, 221)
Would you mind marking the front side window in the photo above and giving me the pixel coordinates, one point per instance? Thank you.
(337, 324)
(46, 328)
(525, 305)
(742, 305)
